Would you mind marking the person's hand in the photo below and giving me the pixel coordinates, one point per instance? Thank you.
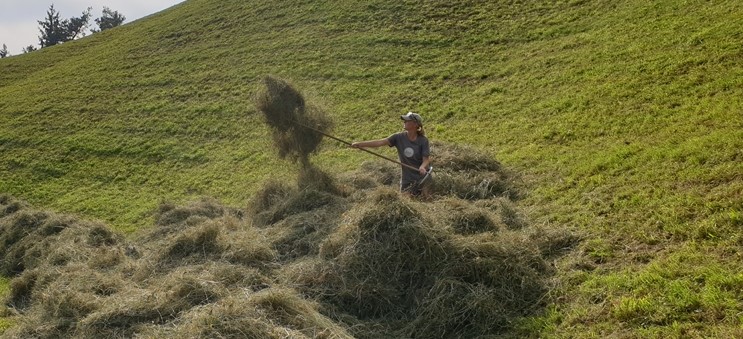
(355, 145)
(422, 170)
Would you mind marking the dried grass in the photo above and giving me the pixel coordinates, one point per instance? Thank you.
(276, 201)
(297, 127)
(268, 313)
(466, 218)
(467, 173)
(392, 259)
(75, 279)
(321, 258)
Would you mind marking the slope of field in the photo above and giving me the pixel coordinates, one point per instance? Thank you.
(623, 120)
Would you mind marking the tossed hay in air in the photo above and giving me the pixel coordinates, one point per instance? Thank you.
(297, 127)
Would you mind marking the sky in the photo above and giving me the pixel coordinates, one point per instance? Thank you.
(19, 25)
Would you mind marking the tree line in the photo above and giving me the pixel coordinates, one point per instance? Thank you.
(56, 30)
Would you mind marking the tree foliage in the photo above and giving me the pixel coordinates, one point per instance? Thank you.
(109, 19)
(55, 30)
(4, 52)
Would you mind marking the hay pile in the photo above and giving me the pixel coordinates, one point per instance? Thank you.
(392, 263)
(467, 173)
(201, 270)
(337, 257)
(464, 265)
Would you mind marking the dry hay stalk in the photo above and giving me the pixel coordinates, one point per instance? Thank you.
(268, 313)
(296, 219)
(464, 218)
(388, 260)
(171, 218)
(454, 308)
(372, 174)
(387, 266)
(381, 258)
(224, 239)
(313, 178)
(468, 173)
(276, 201)
(8, 205)
(163, 302)
(454, 157)
(72, 273)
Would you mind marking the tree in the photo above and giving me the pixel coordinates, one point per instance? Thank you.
(4, 52)
(28, 49)
(109, 19)
(75, 26)
(51, 29)
(56, 31)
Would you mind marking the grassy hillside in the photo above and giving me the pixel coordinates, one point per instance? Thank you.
(622, 119)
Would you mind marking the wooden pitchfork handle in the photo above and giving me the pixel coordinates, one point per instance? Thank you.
(361, 148)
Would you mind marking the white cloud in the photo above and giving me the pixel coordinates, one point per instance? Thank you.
(16, 36)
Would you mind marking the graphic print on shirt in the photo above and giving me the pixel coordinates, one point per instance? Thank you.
(409, 152)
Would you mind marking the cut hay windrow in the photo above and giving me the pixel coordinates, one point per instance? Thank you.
(327, 257)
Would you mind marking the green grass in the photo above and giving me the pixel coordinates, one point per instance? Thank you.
(623, 119)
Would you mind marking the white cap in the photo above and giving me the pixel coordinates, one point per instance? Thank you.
(412, 116)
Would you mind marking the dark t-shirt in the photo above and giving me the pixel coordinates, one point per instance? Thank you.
(410, 153)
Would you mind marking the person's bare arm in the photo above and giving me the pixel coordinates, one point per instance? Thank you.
(371, 143)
